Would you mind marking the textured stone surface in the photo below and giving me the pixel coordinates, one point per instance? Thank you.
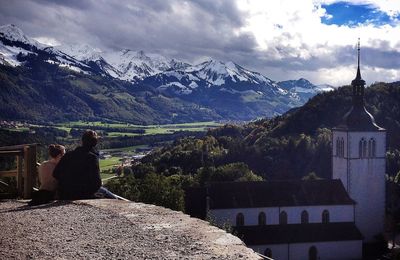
(110, 229)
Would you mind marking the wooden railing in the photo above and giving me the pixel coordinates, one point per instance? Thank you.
(26, 171)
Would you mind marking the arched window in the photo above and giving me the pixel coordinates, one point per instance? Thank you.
(239, 220)
(268, 252)
(283, 218)
(304, 217)
(372, 147)
(313, 253)
(362, 148)
(342, 147)
(262, 220)
(325, 216)
(337, 147)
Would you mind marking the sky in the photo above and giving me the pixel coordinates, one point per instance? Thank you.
(282, 39)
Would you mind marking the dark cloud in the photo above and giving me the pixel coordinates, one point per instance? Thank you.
(74, 4)
(187, 30)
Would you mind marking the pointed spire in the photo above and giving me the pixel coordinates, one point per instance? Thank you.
(358, 83)
(358, 61)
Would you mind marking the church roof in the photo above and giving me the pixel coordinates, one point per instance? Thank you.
(226, 195)
(298, 233)
(358, 118)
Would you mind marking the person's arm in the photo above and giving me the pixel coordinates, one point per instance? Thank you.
(94, 171)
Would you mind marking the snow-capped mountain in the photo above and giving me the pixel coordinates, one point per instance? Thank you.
(212, 74)
(223, 86)
(13, 33)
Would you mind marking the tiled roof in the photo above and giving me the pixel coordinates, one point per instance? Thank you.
(226, 195)
(298, 233)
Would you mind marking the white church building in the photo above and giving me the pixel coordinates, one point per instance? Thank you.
(315, 219)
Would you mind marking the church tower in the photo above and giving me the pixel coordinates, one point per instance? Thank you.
(358, 160)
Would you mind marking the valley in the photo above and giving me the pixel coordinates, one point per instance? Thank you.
(112, 160)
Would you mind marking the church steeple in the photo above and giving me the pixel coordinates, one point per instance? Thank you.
(358, 118)
(358, 83)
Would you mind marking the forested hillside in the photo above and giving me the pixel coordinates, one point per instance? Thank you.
(43, 92)
(295, 145)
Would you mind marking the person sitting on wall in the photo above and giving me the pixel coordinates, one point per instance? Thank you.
(78, 172)
(48, 184)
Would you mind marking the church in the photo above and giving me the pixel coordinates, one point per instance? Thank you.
(314, 219)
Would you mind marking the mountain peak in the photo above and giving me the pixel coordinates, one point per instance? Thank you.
(81, 52)
(14, 33)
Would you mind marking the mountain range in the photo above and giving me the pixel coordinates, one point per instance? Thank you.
(79, 81)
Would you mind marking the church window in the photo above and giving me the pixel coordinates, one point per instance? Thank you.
(313, 253)
(239, 220)
(268, 252)
(262, 220)
(371, 148)
(283, 218)
(340, 147)
(325, 216)
(362, 148)
(304, 217)
(337, 147)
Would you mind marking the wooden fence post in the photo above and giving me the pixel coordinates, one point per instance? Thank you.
(29, 170)
(33, 162)
(19, 175)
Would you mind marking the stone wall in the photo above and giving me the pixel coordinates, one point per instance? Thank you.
(110, 229)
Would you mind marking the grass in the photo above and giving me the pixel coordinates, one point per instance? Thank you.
(131, 126)
(149, 129)
(104, 175)
(125, 149)
(117, 134)
(109, 163)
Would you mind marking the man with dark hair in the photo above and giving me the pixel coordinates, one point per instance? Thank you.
(78, 172)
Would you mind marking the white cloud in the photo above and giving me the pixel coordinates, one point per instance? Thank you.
(47, 41)
(293, 29)
(282, 39)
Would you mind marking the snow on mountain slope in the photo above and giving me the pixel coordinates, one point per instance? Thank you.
(13, 33)
(207, 80)
(217, 73)
(8, 55)
(81, 52)
(125, 64)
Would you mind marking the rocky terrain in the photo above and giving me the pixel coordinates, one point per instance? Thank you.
(110, 229)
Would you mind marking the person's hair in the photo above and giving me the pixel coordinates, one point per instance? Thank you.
(89, 138)
(55, 150)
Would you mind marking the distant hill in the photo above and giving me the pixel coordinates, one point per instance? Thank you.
(291, 146)
(70, 82)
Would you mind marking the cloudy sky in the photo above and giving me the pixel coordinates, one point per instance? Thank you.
(283, 39)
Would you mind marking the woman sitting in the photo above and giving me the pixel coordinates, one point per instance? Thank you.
(48, 184)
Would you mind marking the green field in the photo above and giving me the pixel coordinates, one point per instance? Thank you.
(109, 163)
(128, 129)
(149, 129)
(126, 149)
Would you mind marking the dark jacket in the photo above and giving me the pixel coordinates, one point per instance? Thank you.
(78, 174)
